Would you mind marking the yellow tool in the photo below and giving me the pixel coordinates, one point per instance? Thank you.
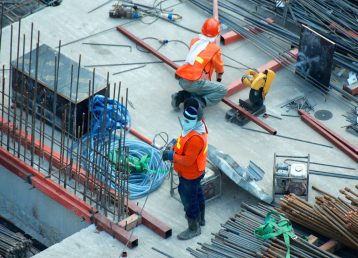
(256, 80)
(260, 83)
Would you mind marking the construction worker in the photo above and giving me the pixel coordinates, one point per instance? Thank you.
(189, 158)
(195, 75)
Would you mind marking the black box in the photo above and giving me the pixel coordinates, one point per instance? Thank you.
(23, 81)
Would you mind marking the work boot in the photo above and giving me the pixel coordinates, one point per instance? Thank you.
(175, 101)
(193, 230)
(202, 215)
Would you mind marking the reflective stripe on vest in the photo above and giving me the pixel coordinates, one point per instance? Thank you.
(194, 72)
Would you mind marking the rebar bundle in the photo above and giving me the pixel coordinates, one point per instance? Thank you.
(237, 239)
(329, 216)
(13, 245)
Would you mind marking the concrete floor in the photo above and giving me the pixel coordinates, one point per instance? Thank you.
(150, 89)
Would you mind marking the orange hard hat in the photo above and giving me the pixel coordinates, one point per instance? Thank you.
(211, 28)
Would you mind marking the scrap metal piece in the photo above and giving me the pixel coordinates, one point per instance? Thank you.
(236, 173)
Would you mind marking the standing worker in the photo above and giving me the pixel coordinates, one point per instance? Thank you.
(195, 75)
(189, 158)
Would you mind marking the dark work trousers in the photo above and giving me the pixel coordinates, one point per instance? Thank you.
(191, 195)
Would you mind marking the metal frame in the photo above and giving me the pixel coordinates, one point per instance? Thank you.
(306, 160)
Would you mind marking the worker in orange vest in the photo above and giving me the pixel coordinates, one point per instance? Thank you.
(195, 75)
(189, 158)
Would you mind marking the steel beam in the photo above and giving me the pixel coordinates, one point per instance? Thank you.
(147, 47)
(338, 141)
(232, 36)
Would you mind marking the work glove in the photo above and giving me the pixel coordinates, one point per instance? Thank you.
(171, 144)
(219, 77)
(168, 155)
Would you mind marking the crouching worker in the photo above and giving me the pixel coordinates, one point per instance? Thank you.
(195, 75)
(189, 158)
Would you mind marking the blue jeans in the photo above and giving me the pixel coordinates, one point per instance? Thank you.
(191, 195)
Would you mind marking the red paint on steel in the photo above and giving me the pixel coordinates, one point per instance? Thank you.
(46, 185)
(334, 134)
(148, 220)
(103, 223)
(173, 65)
(147, 47)
(232, 36)
(339, 144)
(249, 115)
(140, 136)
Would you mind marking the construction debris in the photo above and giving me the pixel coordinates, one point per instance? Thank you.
(352, 118)
(329, 216)
(245, 178)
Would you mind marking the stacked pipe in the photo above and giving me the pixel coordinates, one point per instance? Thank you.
(13, 245)
(236, 239)
(348, 148)
(329, 216)
(350, 195)
(336, 20)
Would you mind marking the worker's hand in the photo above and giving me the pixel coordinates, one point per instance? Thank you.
(168, 155)
(219, 77)
(171, 144)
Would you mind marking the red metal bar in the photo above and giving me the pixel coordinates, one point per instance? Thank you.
(147, 47)
(329, 137)
(46, 185)
(232, 36)
(175, 66)
(253, 118)
(140, 136)
(334, 134)
(116, 231)
(148, 220)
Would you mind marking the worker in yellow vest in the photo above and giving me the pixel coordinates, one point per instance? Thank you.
(195, 75)
(189, 158)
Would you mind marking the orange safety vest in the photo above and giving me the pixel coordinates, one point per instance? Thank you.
(198, 168)
(202, 67)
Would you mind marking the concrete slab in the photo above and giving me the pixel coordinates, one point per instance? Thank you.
(150, 89)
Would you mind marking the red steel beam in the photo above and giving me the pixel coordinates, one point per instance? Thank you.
(339, 144)
(64, 197)
(147, 47)
(232, 36)
(254, 119)
(175, 66)
(334, 134)
(148, 220)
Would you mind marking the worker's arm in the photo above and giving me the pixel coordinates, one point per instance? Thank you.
(218, 64)
(192, 149)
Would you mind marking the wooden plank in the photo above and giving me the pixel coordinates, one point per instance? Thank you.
(331, 246)
(312, 239)
(130, 222)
